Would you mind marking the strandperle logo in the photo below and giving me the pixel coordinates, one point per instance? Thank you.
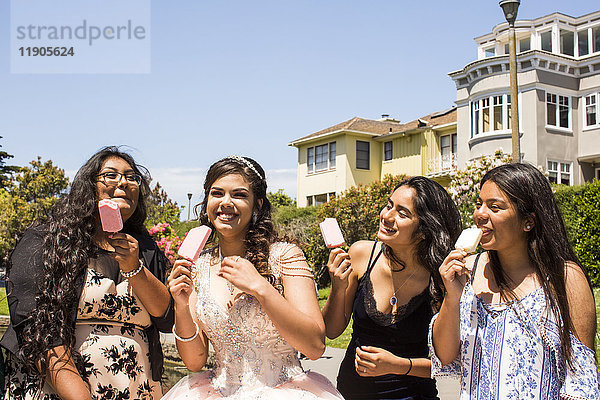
(85, 32)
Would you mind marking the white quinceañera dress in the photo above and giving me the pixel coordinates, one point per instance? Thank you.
(253, 361)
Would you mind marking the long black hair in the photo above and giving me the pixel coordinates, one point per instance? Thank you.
(67, 248)
(260, 234)
(439, 227)
(547, 244)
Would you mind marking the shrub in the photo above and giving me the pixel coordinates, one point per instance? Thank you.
(587, 229)
(166, 239)
(294, 222)
(565, 198)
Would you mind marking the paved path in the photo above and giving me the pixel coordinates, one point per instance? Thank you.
(329, 364)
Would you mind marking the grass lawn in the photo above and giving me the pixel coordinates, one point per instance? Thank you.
(3, 303)
(342, 340)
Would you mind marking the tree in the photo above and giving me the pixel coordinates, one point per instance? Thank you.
(28, 196)
(280, 199)
(6, 171)
(161, 208)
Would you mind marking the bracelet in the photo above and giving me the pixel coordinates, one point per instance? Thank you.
(186, 339)
(410, 366)
(134, 272)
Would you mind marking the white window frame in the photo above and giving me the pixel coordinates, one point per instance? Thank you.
(597, 173)
(559, 97)
(391, 142)
(451, 164)
(590, 41)
(328, 155)
(559, 170)
(596, 111)
(552, 44)
(477, 106)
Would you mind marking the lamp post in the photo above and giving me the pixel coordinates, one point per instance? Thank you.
(189, 204)
(510, 8)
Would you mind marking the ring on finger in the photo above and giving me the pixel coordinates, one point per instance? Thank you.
(237, 258)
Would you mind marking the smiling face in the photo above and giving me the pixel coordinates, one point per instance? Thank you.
(229, 205)
(398, 219)
(125, 193)
(497, 217)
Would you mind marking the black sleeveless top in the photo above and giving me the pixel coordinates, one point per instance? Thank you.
(403, 333)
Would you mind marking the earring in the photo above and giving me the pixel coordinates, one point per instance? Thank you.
(528, 227)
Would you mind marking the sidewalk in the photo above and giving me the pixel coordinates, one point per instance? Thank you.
(330, 361)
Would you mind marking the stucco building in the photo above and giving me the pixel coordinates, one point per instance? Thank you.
(558, 64)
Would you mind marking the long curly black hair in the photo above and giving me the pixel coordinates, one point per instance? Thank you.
(439, 227)
(547, 243)
(67, 248)
(260, 234)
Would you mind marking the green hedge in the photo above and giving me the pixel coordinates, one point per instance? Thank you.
(580, 208)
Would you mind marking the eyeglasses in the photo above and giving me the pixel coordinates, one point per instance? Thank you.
(114, 178)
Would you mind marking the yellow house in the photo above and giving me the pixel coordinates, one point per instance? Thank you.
(360, 151)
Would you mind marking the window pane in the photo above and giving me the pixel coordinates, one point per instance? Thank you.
(475, 118)
(491, 52)
(547, 41)
(563, 110)
(506, 48)
(567, 45)
(309, 200)
(320, 199)
(596, 38)
(565, 179)
(362, 154)
(387, 151)
(310, 158)
(524, 45)
(551, 109)
(321, 157)
(446, 151)
(508, 112)
(582, 39)
(332, 155)
(497, 113)
(590, 110)
(486, 119)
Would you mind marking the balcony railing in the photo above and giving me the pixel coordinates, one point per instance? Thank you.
(443, 163)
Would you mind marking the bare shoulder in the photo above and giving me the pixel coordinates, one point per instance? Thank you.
(362, 248)
(581, 303)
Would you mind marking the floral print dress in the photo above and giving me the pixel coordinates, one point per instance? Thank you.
(111, 339)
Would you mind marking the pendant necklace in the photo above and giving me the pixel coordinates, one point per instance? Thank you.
(229, 284)
(393, 299)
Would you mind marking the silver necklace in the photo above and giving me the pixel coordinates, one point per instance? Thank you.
(229, 284)
(394, 299)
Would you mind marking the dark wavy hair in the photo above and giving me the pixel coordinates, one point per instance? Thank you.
(260, 234)
(547, 244)
(439, 227)
(67, 248)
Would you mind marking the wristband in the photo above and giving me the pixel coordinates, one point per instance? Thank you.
(409, 367)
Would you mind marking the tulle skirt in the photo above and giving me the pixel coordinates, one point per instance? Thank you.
(308, 385)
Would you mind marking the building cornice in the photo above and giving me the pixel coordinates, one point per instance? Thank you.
(526, 61)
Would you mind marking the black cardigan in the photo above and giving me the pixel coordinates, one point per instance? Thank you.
(26, 275)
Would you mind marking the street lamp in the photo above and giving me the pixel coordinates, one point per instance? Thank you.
(510, 8)
(189, 204)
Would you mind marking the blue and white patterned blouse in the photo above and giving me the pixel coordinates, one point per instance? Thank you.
(512, 351)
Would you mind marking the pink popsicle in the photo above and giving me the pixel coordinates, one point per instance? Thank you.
(331, 233)
(110, 215)
(194, 243)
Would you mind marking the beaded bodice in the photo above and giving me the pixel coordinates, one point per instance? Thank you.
(249, 350)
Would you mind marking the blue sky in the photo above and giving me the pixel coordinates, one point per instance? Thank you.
(241, 77)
